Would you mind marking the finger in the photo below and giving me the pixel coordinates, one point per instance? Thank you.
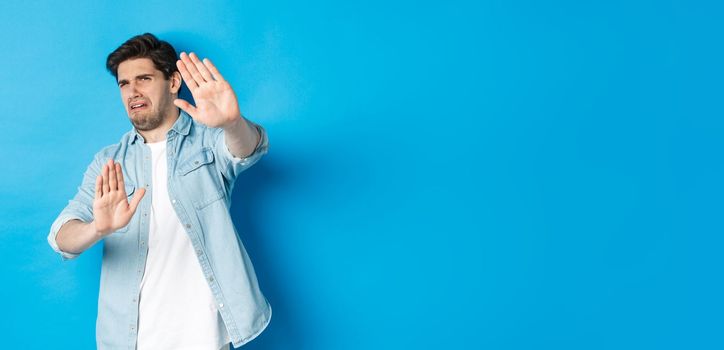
(201, 67)
(136, 199)
(112, 181)
(99, 187)
(191, 67)
(190, 82)
(185, 106)
(119, 178)
(106, 187)
(215, 72)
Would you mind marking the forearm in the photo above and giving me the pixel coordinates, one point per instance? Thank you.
(76, 236)
(241, 138)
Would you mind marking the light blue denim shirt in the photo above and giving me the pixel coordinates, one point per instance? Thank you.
(201, 172)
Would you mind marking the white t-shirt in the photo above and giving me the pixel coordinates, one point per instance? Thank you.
(176, 308)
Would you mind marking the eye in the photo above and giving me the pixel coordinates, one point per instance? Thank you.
(121, 84)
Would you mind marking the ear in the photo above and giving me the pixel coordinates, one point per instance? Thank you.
(175, 82)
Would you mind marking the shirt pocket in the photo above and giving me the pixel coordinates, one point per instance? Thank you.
(200, 178)
(130, 188)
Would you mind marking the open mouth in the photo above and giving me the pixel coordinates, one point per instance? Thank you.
(138, 106)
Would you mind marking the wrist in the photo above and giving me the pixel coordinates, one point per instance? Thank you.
(93, 229)
(233, 124)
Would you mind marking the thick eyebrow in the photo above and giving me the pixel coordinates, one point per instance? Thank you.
(137, 77)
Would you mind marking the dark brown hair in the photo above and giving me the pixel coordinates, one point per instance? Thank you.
(145, 45)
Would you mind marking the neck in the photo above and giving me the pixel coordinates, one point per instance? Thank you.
(159, 134)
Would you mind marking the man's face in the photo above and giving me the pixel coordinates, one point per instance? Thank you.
(147, 95)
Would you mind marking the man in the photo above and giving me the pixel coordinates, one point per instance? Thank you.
(175, 274)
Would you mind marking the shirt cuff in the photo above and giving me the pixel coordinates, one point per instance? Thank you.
(236, 164)
(259, 144)
(59, 222)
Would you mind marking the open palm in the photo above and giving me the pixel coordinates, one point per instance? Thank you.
(216, 103)
(111, 209)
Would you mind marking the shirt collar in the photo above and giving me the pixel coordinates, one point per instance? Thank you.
(181, 126)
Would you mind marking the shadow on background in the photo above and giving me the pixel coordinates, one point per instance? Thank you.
(250, 188)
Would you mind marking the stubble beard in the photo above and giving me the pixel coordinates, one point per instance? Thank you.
(147, 121)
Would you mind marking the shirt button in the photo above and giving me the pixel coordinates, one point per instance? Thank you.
(188, 225)
(211, 278)
(142, 242)
(199, 252)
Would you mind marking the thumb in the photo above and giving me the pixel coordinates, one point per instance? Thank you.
(187, 107)
(137, 199)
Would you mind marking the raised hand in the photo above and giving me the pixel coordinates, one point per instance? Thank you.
(111, 209)
(216, 104)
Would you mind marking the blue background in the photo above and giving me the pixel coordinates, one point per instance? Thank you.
(441, 175)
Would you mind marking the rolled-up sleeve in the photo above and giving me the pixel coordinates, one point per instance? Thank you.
(232, 166)
(80, 207)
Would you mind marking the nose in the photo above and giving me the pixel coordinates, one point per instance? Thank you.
(133, 91)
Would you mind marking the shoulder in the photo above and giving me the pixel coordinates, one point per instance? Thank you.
(200, 129)
(201, 135)
(113, 150)
(197, 132)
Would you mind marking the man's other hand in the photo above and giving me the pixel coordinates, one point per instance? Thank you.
(111, 209)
